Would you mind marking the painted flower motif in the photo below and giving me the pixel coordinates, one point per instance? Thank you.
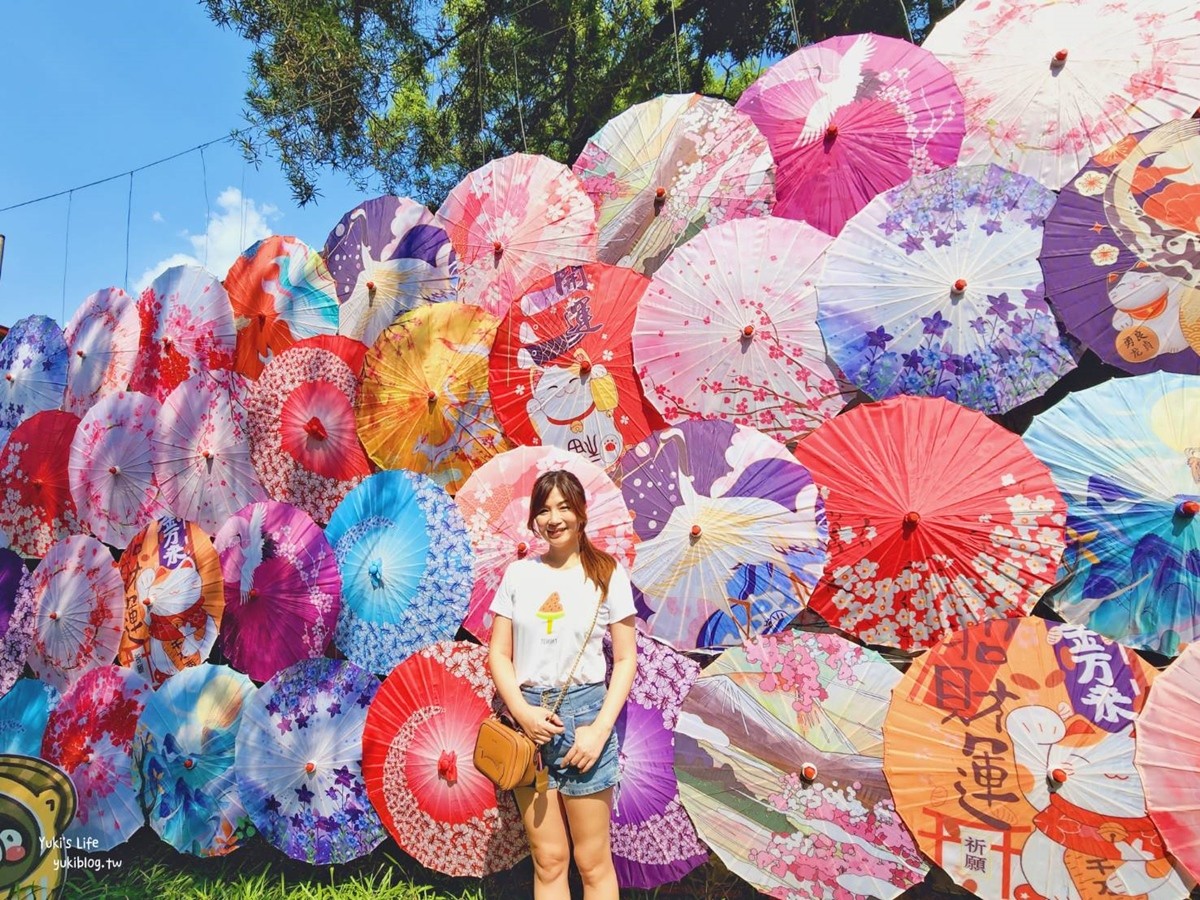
(1091, 183)
(1105, 255)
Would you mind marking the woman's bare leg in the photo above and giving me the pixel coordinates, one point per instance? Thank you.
(547, 832)
(589, 818)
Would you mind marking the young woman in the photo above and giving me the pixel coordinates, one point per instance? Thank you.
(544, 610)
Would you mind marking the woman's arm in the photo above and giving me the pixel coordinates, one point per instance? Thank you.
(538, 723)
(590, 739)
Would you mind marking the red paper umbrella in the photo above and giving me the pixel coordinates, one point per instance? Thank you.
(561, 367)
(38, 508)
(417, 749)
(303, 439)
(938, 518)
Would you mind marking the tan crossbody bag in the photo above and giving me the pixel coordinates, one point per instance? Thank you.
(506, 755)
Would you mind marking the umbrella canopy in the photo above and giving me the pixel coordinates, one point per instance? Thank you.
(561, 369)
(653, 840)
(850, 117)
(1126, 455)
(728, 330)
(406, 565)
(1167, 756)
(280, 292)
(417, 750)
(102, 345)
(495, 505)
(303, 440)
(183, 757)
(387, 256)
(282, 588)
(174, 598)
(1119, 251)
(187, 329)
(513, 221)
(1009, 749)
(352, 352)
(16, 617)
(89, 736)
(663, 170)
(299, 762)
(201, 453)
(938, 518)
(111, 466)
(34, 468)
(24, 711)
(33, 360)
(732, 533)
(779, 753)
(956, 306)
(424, 403)
(79, 600)
(1049, 83)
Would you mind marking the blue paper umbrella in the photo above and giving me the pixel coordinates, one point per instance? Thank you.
(407, 568)
(183, 756)
(1126, 456)
(33, 361)
(299, 762)
(24, 711)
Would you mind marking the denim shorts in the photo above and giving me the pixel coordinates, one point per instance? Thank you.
(580, 706)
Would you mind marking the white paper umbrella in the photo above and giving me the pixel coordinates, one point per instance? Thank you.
(201, 451)
(102, 345)
(1050, 83)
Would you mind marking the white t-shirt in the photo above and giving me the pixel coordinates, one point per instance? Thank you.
(551, 610)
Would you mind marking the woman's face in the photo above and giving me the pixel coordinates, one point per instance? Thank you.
(556, 522)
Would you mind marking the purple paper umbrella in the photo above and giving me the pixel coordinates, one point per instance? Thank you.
(282, 588)
(388, 255)
(16, 618)
(1119, 252)
(653, 840)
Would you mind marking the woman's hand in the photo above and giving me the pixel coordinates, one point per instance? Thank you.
(538, 723)
(589, 744)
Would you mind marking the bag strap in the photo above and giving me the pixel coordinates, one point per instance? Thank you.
(578, 656)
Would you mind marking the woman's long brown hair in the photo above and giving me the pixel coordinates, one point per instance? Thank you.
(598, 566)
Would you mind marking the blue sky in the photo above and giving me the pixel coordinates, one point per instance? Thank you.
(90, 89)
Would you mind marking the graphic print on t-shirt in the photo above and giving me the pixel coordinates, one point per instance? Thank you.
(549, 611)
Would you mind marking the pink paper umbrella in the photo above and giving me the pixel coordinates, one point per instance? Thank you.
(16, 618)
(728, 330)
(303, 437)
(513, 221)
(102, 347)
(187, 328)
(80, 601)
(495, 504)
(111, 467)
(282, 589)
(38, 508)
(90, 737)
(851, 117)
(1167, 754)
(665, 169)
(201, 454)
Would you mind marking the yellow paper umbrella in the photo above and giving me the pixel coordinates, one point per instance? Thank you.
(424, 403)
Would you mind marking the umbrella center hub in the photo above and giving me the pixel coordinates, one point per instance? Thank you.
(960, 285)
(696, 531)
(1058, 776)
(114, 470)
(522, 549)
(747, 332)
(911, 518)
(1059, 58)
(375, 571)
(831, 132)
(808, 772)
(189, 763)
(314, 429)
(497, 249)
(1189, 509)
(80, 354)
(53, 617)
(447, 766)
(8, 376)
(310, 767)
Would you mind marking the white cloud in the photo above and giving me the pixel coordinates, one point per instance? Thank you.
(235, 224)
(156, 216)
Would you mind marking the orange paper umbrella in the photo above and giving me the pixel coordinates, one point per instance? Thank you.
(425, 404)
(174, 598)
(280, 292)
(38, 508)
(1009, 749)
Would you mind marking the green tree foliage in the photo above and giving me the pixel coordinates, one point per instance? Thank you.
(414, 93)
